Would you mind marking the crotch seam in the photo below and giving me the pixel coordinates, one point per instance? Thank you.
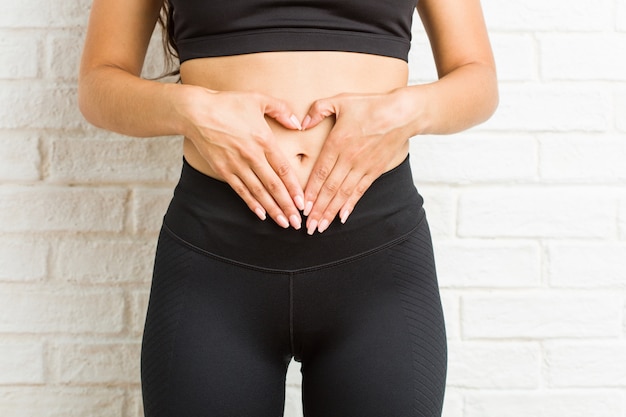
(291, 327)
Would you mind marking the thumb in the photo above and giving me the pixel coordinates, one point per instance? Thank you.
(280, 111)
(319, 110)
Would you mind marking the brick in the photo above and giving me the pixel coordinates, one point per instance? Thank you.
(539, 15)
(148, 208)
(155, 64)
(620, 16)
(622, 218)
(482, 365)
(522, 211)
(293, 402)
(620, 108)
(112, 158)
(451, 312)
(604, 403)
(583, 158)
(515, 54)
(469, 158)
(624, 320)
(583, 57)
(421, 64)
(61, 402)
(61, 209)
(21, 363)
(138, 309)
(19, 157)
(452, 403)
(96, 363)
(440, 205)
(488, 264)
(43, 14)
(541, 315)
(63, 53)
(23, 259)
(19, 54)
(39, 104)
(535, 107)
(587, 265)
(134, 405)
(294, 377)
(587, 364)
(47, 311)
(104, 261)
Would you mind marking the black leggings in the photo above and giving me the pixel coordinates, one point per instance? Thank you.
(233, 299)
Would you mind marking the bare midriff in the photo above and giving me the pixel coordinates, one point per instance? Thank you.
(299, 78)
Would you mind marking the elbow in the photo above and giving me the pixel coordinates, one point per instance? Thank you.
(87, 101)
(84, 104)
(491, 94)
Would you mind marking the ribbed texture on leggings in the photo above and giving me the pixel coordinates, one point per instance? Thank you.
(417, 287)
(164, 313)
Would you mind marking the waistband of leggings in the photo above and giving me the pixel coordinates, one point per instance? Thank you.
(208, 215)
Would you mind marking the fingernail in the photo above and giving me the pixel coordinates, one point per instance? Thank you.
(296, 221)
(299, 202)
(260, 213)
(307, 208)
(312, 227)
(306, 121)
(282, 221)
(323, 226)
(344, 216)
(295, 122)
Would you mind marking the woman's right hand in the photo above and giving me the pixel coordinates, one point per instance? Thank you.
(230, 132)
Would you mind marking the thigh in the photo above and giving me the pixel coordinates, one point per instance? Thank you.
(376, 345)
(216, 340)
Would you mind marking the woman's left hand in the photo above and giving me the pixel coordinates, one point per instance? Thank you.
(369, 133)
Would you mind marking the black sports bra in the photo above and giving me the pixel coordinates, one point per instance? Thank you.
(210, 28)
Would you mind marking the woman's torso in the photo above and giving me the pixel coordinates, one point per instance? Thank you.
(299, 78)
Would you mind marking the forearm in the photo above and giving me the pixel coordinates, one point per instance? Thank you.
(459, 100)
(116, 100)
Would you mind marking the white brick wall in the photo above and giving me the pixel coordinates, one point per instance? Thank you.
(528, 214)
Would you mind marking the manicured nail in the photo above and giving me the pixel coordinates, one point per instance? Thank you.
(295, 122)
(323, 226)
(312, 227)
(282, 221)
(344, 216)
(296, 221)
(260, 213)
(307, 208)
(306, 121)
(299, 202)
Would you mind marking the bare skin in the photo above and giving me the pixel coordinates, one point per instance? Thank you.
(290, 131)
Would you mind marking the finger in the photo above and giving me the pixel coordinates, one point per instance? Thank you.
(242, 191)
(287, 175)
(328, 192)
(272, 190)
(280, 111)
(350, 187)
(259, 191)
(319, 174)
(319, 110)
(358, 192)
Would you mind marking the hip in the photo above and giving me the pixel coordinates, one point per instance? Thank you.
(208, 216)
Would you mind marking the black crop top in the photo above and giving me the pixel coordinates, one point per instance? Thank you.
(210, 28)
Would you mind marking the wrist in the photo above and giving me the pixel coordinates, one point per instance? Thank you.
(187, 103)
(411, 105)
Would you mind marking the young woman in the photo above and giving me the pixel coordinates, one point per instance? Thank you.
(297, 110)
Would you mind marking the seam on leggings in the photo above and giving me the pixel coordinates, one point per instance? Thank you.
(351, 258)
(291, 335)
